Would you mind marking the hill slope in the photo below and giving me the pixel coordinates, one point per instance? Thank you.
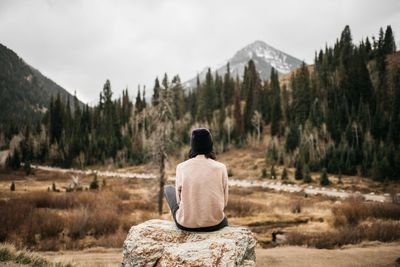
(24, 91)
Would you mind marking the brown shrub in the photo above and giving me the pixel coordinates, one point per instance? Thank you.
(376, 231)
(77, 222)
(13, 214)
(295, 206)
(241, 191)
(240, 207)
(104, 221)
(101, 220)
(42, 222)
(352, 212)
(72, 200)
(50, 200)
(51, 244)
(122, 194)
(37, 219)
(115, 240)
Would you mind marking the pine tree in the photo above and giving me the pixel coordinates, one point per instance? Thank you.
(301, 103)
(56, 120)
(165, 81)
(94, 184)
(284, 174)
(298, 175)
(156, 93)
(237, 113)
(251, 86)
(27, 168)
(138, 102)
(178, 96)
(192, 104)
(306, 174)
(77, 134)
(264, 173)
(324, 180)
(15, 162)
(389, 44)
(381, 67)
(292, 139)
(276, 113)
(144, 103)
(394, 132)
(273, 173)
(229, 86)
(266, 103)
(368, 48)
(221, 113)
(207, 99)
(12, 187)
(210, 96)
(340, 178)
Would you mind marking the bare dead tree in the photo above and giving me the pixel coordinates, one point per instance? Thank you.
(256, 122)
(161, 138)
(228, 123)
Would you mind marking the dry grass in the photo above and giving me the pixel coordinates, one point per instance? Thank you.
(354, 211)
(42, 224)
(71, 200)
(89, 219)
(122, 194)
(12, 216)
(44, 220)
(354, 221)
(8, 253)
(385, 231)
(115, 240)
(241, 207)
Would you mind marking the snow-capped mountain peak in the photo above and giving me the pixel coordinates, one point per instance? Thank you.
(264, 56)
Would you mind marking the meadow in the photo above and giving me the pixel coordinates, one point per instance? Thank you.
(41, 215)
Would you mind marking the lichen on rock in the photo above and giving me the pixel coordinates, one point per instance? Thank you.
(161, 243)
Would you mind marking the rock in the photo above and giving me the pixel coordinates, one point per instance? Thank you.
(161, 243)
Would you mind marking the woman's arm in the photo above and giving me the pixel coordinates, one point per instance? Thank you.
(225, 183)
(178, 185)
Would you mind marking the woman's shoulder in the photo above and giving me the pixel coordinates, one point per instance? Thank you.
(217, 164)
(220, 164)
(212, 162)
(183, 164)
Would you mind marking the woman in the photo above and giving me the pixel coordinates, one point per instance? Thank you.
(201, 184)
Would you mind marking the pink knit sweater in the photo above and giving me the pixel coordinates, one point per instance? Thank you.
(201, 192)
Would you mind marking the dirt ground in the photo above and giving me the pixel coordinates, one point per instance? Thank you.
(373, 254)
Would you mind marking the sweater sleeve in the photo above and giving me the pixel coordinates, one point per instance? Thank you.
(178, 185)
(225, 184)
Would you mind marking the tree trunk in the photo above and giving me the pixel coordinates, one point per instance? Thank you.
(162, 182)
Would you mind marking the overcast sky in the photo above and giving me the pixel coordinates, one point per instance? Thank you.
(80, 44)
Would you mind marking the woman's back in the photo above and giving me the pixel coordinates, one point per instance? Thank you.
(201, 192)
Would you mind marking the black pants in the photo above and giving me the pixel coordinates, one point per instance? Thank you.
(170, 195)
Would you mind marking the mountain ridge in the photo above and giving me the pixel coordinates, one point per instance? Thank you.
(24, 91)
(264, 56)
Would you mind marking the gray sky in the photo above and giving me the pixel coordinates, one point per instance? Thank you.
(79, 44)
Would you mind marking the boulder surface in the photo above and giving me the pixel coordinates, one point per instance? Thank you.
(161, 243)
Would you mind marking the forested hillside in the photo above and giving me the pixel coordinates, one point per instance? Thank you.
(342, 114)
(24, 92)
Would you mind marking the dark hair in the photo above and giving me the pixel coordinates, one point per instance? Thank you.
(210, 155)
(201, 143)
